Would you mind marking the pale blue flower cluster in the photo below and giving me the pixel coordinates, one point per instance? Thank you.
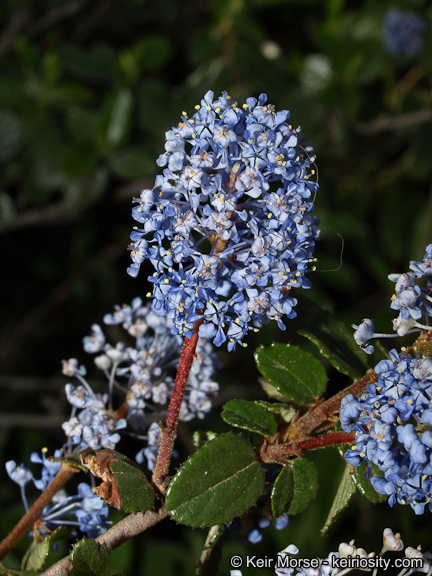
(403, 32)
(392, 422)
(84, 511)
(413, 301)
(140, 381)
(229, 225)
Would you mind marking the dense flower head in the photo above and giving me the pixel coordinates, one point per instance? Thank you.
(228, 225)
(140, 380)
(412, 299)
(83, 511)
(392, 424)
(403, 32)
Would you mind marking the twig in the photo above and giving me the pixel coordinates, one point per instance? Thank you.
(127, 528)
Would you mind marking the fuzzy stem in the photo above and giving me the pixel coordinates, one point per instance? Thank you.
(161, 469)
(279, 453)
(27, 521)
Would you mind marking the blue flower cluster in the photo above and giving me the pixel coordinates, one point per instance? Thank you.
(403, 32)
(414, 303)
(84, 510)
(228, 225)
(392, 422)
(140, 379)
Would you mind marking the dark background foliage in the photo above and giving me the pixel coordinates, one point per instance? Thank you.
(87, 90)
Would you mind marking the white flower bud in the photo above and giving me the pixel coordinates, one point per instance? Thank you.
(391, 541)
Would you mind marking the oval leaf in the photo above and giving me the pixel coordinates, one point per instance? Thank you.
(249, 416)
(282, 491)
(294, 488)
(220, 481)
(296, 374)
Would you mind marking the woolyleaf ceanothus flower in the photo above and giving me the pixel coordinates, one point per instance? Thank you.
(229, 225)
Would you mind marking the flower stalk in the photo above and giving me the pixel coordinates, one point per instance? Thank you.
(161, 468)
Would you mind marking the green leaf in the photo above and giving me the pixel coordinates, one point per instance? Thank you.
(295, 373)
(89, 558)
(249, 416)
(220, 481)
(363, 484)
(282, 491)
(124, 486)
(294, 488)
(343, 495)
(119, 118)
(38, 550)
(333, 338)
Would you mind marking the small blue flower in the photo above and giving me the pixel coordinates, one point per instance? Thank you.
(230, 216)
(403, 32)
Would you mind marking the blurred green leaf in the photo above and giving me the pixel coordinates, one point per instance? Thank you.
(220, 481)
(38, 550)
(295, 373)
(94, 65)
(119, 118)
(11, 135)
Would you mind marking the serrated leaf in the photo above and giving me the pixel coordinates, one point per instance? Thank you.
(345, 492)
(220, 481)
(250, 416)
(294, 488)
(124, 486)
(334, 339)
(295, 373)
(89, 558)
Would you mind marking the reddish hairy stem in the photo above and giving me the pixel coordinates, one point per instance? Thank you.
(27, 521)
(279, 453)
(161, 469)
